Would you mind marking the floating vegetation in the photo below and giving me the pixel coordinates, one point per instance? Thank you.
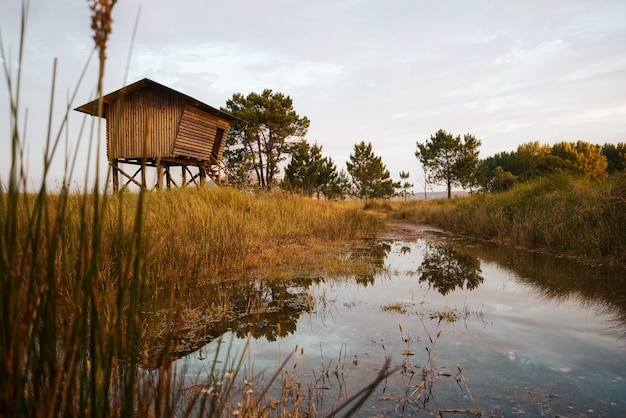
(451, 315)
(400, 307)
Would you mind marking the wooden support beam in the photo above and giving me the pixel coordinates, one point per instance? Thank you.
(130, 178)
(164, 174)
(194, 178)
(143, 175)
(202, 175)
(159, 167)
(116, 175)
(168, 176)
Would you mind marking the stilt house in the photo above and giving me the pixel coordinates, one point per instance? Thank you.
(149, 125)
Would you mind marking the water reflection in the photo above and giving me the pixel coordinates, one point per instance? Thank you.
(267, 304)
(446, 269)
(262, 309)
(555, 278)
(258, 307)
(533, 357)
(374, 253)
(205, 311)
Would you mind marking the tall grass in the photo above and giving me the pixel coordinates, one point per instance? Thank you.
(558, 214)
(76, 272)
(209, 232)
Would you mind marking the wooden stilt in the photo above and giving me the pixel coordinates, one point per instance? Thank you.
(159, 167)
(143, 175)
(168, 177)
(202, 175)
(116, 175)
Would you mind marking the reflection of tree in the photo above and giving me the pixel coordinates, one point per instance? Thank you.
(600, 287)
(374, 254)
(246, 307)
(445, 269)
(261, 305)
(208, 310)
(267, 304)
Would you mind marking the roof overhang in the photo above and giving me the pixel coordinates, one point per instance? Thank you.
(91, 108)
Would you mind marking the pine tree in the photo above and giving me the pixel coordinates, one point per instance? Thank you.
(369, 175)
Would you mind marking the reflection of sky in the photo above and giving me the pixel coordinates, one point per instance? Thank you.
(517, 348)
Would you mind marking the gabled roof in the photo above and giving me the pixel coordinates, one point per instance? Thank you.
(91, 108)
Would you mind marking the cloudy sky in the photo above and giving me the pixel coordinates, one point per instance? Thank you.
(387, 72)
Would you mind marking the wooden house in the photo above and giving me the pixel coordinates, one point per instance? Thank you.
(151, 125)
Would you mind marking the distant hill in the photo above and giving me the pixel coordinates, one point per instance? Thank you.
(434, 195)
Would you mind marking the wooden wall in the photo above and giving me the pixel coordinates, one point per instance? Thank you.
(143, 124)
(156, 123)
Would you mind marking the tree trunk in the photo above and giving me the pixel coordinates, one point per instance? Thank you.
(260, 171)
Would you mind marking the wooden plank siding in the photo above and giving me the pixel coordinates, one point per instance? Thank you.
(195, 135)
(144, 124)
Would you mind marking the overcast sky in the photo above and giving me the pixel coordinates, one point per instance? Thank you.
(388, 72)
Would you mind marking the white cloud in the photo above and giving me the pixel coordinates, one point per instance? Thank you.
(227, 68)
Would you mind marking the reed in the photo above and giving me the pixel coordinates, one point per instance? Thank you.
(420, 381)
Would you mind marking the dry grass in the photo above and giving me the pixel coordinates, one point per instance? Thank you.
(216, 232)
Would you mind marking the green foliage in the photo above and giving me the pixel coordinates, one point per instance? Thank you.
(495, 168)
(309, 172)
(340, 186)
(533, 160)
(466, 168)
(369, 175)
(529, 154)
(616, 157)
(260, 138)
(585, 157)
(502, 180)
(450, 160)
(530, 160)
(404, 185)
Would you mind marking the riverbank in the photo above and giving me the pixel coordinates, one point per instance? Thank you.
(557, 215)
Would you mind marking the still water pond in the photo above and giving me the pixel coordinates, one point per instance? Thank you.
(533, 335)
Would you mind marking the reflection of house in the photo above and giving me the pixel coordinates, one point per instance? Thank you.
(150, 125)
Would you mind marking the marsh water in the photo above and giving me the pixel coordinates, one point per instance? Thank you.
(466, 327)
